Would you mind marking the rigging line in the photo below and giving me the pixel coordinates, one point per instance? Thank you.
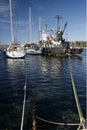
(24, 101)
(57, 123)
(82, 120)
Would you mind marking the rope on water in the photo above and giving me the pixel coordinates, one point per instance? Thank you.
(34, 123)
(22, 119)
(57, 123)
(23, 109)
(81, 125)
(82, 120)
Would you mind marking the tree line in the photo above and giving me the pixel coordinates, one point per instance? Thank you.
(78, 43)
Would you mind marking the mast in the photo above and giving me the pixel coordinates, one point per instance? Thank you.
(30, 25)
(58, 19)
(40, 28)
(11, 22)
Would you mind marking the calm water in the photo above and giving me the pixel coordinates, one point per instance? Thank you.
(48, 83)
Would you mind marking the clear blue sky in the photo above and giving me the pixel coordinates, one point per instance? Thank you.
(72, 11)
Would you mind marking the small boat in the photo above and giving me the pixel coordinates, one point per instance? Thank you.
(15, 50)
(33, 49)
(34, 52)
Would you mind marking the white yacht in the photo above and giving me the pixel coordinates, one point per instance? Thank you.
(15, 50)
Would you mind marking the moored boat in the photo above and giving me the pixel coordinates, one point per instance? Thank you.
(33, 49)
(53, 43)
(15, 50)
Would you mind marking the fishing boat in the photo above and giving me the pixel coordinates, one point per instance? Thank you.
(32, 48)
(52, 41)
(15, 49)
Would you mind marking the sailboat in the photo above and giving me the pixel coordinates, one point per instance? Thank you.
(33, 48)
(15, 50)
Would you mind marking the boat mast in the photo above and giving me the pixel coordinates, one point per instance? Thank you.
(58, 19)
(29, 25)
(40, 28)
(11, 25)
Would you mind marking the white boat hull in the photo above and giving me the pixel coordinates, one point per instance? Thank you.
(34, 52)
(16, 54)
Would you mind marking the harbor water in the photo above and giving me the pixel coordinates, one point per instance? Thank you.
(48, 87)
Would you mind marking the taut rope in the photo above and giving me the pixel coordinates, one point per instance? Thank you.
(82, 120)
(23, 109)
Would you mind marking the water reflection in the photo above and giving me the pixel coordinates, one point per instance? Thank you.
(50, 78)
(15, 64)
(52, 65)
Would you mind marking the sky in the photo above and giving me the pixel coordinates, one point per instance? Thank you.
(72, 11)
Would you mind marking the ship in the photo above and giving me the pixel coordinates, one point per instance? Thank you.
(53, 43)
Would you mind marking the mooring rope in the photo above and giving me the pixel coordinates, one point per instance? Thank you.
(24, 101)
(34, 126)
(34, 123)
(23, 110)
(82, 120)
(57, 123)
(81, 125)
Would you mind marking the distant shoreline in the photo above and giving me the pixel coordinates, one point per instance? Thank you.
(82, 44)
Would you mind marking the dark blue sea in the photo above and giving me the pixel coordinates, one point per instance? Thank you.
(48, 88)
